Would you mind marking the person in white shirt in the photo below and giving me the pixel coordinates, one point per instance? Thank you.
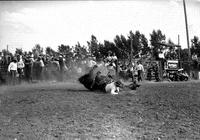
(40, 68)
(109, 57)
(20, 63)
(42, 63)
(140, 70)
(20, 67)
(12, 69)
(91, 63)
(114, 57)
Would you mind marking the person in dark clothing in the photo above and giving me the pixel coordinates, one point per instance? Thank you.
(39, 68)
(61, 63)
(28, 69)
(149, 73)
(156, 71)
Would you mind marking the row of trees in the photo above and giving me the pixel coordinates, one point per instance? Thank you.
(121, 46)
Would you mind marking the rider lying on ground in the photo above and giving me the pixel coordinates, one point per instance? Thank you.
(104, 83)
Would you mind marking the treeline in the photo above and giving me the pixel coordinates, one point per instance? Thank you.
(135, 44)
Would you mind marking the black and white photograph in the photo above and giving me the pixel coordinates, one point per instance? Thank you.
(100, 70)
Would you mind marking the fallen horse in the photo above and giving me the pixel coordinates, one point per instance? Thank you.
(105, 83)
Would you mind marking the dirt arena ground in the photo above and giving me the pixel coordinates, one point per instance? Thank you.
(67, 111)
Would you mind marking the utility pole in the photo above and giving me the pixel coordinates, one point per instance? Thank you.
(179, 48)
(131, 54)
(178, 39)
(131, 57)
(179, 52)
(187, 33)
(7, 48)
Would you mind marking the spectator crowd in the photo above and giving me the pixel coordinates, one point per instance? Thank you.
(29, 68)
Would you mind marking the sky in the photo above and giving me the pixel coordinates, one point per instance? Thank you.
(52, 23)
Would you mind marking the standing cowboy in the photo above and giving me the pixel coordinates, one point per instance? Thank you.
(20, 67)
(28, 68)
(61, 63)
(140, 70)
(12, 69)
